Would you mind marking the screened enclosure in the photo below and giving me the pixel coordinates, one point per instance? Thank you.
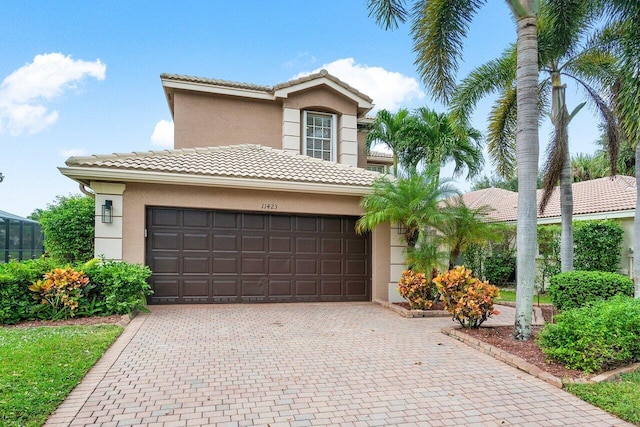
(20, 238)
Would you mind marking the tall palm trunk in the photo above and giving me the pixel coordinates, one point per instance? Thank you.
(527, 148)
(560, 119)
(636, 229)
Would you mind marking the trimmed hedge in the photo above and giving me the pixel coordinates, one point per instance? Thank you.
(574, 289)
(16, 301)
(600, 335)
(597, 245)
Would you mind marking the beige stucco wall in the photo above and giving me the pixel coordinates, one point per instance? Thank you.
(207, 120)
(321, 98)
(138, 196)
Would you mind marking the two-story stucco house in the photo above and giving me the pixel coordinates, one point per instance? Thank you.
(256, 203)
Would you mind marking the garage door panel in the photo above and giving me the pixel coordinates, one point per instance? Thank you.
(225, 287)
(195, 265)
(306, 288)
(195, 242)
(165, 217)
(165, 241)
(253, 288)
(254, 265)
(280, 288)
(223, 219)
(254, 244)
(197, 288)
(225, 265)
(195, 219)
(331, 287)
(280, 266)
(331, 245)
(225, 242)
(200, 256)
(166, 264)
(307, 245)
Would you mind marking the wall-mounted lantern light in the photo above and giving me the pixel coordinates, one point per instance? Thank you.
(107, 212)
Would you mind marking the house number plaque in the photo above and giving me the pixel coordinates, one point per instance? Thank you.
(270, 206)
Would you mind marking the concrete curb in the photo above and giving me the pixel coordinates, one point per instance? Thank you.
(527, 367)
(69, 408)
(412, 313)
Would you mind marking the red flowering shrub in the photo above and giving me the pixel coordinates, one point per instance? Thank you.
(468, 299)
(417, 289)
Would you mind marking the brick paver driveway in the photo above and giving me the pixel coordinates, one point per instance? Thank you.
(346, 364)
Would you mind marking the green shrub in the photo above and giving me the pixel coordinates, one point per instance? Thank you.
(468, 299)
(122, 286)
(500, 267)
(16, 303)
(574, 289)
(549, 250)
(600, 335)
(597, 245)
(68, 225)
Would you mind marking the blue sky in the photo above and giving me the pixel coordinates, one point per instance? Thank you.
(80, 78)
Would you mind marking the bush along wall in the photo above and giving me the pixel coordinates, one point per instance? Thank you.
(574, 289)
(597, 245)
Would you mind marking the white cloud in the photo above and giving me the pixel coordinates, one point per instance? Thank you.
(163, 134)
(24, 94)
(390, 90)
(66, 153)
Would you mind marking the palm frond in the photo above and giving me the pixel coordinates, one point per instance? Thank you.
(388, 13)
(502, 133)
(438, 30)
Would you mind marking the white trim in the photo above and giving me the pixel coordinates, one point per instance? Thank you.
(221, 90)
(285, 91)
(83, 174)
(334, 133)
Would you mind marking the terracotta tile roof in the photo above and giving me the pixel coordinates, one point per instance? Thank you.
(240, 161)
(268, 89)
(589, 197)
(380, 154)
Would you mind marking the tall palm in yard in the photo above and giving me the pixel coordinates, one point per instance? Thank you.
(438, 28)
(625, 15)
(565, 50)
(386, 130)
(412, 202)
(432, 138)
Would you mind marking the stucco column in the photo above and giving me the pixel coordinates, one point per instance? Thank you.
(291, 130)
(108, 236)
(348, 140)
(398, 262)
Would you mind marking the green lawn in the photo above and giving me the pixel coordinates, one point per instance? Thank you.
(511, 296)
(620, 397)
(40, 366)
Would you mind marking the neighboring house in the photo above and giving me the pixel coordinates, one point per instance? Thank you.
(256, 203)
(602, 198)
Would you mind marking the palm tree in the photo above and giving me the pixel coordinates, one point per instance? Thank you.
(439, 26)
(624, 16)
(412, 202)
(431, 138)
(386, 130)
(466, 226)
(562, 31)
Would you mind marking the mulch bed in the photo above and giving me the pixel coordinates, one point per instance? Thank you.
(97, 320)
(502, 337)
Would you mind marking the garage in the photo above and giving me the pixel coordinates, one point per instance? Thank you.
(220, 256)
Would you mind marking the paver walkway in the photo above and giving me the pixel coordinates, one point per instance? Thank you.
(350, 364)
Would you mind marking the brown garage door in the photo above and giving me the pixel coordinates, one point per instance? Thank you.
(211, 256)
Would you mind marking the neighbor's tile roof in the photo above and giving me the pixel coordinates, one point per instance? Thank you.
(269, 89)
(596, 196)
(240, 161)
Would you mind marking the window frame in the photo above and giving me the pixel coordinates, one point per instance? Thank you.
(334, 133)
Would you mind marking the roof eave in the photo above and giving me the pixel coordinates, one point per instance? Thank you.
(85, 175)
